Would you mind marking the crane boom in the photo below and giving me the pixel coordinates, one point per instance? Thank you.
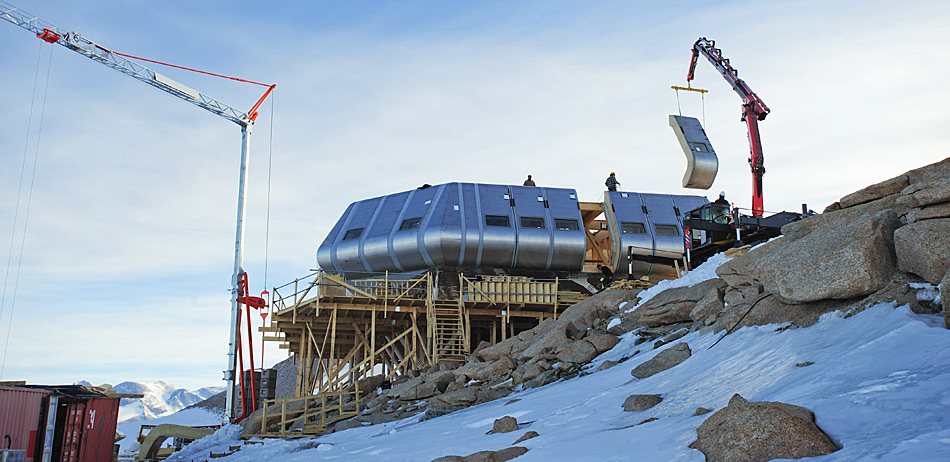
(74, 41)
(102, 55)
(753, 110)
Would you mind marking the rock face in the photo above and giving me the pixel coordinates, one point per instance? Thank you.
(760, 431)
(675, 305)
(838, 261)
(635, 403)
(662, 361)
(923, 248)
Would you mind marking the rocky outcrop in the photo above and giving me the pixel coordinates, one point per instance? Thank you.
(664, 360)
(760, 431)
(923, 248)
(838, 260)
(675, 305)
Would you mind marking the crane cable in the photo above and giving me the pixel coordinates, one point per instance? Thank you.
(702, 94)
(29, 200)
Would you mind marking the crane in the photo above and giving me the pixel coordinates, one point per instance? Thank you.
(125, 64)
(753, 110)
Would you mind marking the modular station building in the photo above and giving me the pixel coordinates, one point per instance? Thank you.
(418, 277)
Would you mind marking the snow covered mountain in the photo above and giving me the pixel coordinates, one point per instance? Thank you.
(160, 399)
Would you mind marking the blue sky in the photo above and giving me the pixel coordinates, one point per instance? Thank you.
(128, 251)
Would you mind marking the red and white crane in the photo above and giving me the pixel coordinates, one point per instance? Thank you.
(753, 110)
(124, 63)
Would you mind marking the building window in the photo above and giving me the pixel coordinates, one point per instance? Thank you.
(410, 223)
(667, 230)
(532, 222)
(353, 234)
(566, 225)
(632, 228)
(497, 220)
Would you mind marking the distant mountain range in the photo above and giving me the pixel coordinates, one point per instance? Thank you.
(160, 399)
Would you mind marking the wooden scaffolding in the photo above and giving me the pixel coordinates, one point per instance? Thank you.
(341, 331)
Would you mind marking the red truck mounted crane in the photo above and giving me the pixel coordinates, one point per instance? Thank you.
(753, 110)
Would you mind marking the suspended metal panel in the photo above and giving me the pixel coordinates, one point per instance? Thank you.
(701, 161)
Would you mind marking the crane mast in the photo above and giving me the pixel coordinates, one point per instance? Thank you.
(52, 34)
(753, 110)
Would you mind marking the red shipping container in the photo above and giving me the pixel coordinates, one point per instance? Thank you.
(23, 419)
(88, 434)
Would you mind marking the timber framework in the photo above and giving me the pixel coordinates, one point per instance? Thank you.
(342, 331)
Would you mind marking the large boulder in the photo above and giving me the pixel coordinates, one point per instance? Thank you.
(875, 191)
(579, 352)
(662, 361)
(923, 248)
(760, 431)
(635, 403)
(822, 258)
(674, 305)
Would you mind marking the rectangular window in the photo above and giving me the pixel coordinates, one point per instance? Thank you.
(353, 234)
(532, 222)
(566, 225)
(497, 220)
(632, 228)
(667, 230)
(410, 223)
(700, 147)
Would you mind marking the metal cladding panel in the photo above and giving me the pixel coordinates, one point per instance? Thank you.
(667, 227)
(534, 227)
(21, 413)
(627, 219)
(498, 240)
(471, 225)
(407, 243)
(701, 161)
(326, 251)
(442, 236)
(569, 244)
(375, 238)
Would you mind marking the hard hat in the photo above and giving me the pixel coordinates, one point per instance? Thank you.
(722, 194)
(612, 173)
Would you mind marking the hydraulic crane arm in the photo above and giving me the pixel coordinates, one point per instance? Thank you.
(75, 42)
(753, 110)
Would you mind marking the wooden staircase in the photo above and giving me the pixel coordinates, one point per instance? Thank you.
(448, 330)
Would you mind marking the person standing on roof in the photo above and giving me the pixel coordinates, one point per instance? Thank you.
(612, 182)
(722, 199)
(529, 181)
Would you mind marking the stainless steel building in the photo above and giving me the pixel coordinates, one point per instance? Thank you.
(498, 229)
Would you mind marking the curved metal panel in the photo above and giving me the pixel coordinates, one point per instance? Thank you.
(568, 243)
(702, 165)
(498, 240)
(668, 241)
(630, 229)
(533, 227)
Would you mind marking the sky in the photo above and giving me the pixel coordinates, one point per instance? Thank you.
(123, 271)
(894, 408)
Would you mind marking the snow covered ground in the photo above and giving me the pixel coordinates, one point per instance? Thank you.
(191, 417)
(879, 386)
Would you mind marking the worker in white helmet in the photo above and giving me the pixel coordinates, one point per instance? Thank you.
(722, 199)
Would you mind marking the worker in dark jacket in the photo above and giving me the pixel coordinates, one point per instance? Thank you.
(608, 278)
(612, 182)
(722, 199)
(529, 181)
